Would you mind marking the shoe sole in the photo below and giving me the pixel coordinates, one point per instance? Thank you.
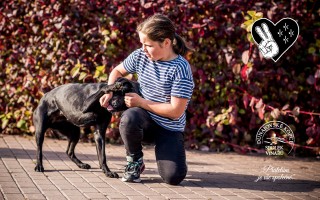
(131, 181)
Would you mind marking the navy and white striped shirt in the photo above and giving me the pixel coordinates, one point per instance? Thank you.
(159, 80)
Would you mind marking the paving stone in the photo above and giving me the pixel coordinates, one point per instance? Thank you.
(115, 196)
(8, 184)
(94, 195)
(55, 197)
(233, 197)
(34, 196)
(1, 196)
(210, 176)
(149, 192)
(155, 197)
(45, 187)
(30, 190)
(192, 196)
(287, 197)
(14, 196)
(11, 190)
(77, 197)
(137, 197)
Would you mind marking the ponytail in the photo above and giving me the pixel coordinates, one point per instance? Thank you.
(180, 46)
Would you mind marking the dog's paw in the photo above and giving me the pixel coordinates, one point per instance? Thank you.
(84, 166)
(39, 168)
(112, 174)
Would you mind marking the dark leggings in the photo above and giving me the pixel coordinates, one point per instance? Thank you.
(136, 126)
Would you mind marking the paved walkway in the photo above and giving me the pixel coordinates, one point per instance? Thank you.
(211, 175)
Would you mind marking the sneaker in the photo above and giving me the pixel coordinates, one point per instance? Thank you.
(133, 170)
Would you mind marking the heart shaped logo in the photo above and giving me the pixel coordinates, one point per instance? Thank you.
(272, 39)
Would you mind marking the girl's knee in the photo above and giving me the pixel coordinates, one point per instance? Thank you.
(130, 118)
(172, 173)
(174, 178)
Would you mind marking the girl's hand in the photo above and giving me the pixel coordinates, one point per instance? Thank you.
(104, 100)
(133, 100)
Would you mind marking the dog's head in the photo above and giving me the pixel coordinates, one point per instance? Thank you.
(120, 88)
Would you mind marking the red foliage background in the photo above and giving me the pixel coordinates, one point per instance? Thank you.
(46, 43)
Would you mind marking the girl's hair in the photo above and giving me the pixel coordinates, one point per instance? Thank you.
(159, 27)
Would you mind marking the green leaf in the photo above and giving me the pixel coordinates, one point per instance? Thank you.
(105, 32)
(82, 75)
(96, 74)
(100, 68)
(75, 71)
(318, 43)
(226, 122)
(99, 71)
(21, 123)
(252, 13)
(254, 16)
(311, 50)
(5, 122)
(104, 77)
(242, 111)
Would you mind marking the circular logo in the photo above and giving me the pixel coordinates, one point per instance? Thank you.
(276, 137)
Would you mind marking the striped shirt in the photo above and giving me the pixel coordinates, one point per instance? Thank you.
(159, 80)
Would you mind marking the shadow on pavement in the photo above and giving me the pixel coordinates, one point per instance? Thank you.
(193, 179)
(248, 182)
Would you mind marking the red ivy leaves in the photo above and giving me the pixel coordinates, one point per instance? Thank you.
(49, 37)
(245, 72)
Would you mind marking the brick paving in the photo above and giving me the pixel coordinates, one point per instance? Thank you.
(210, 176)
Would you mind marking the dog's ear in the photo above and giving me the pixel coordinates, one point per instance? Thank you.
(93, 98)
(127, 87)
(112, 88)
(131, 86)
(121, 80)
(136, 88)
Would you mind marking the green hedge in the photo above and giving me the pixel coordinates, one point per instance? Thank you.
(47, 43)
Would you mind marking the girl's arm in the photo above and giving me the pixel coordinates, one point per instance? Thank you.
(172, 110)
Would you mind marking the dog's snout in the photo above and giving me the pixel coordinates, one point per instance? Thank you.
(115, 103)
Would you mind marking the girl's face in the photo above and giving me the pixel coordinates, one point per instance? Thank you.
(154, 50)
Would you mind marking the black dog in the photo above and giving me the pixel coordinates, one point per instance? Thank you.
(68, 107)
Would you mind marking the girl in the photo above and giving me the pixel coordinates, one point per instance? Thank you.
(166, 84)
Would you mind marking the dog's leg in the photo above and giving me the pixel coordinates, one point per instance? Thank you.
(40, 126)
(72, 156)
(73, 136)
(100, 139)
(39, 141)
